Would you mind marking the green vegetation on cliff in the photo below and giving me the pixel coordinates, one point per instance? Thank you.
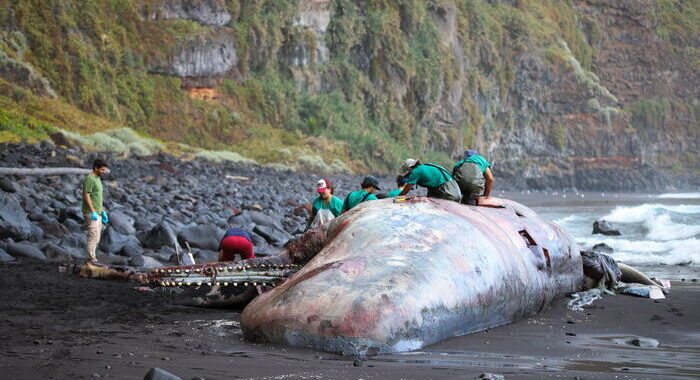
(382, 93)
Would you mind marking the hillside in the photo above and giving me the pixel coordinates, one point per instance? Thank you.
(592, 94)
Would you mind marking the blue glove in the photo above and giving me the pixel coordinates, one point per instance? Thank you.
(93, 215)
(105, 218)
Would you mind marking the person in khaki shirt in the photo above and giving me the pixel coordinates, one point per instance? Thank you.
(93, 211)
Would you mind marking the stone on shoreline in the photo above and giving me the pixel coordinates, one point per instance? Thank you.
(604, 227)
(13, 220)
(158, 236)
(205, 236)
(5, 257)
(160, 374)
(25, 250)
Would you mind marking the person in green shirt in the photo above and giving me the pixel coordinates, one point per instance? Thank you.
(326, 206)
(437, 179)
(472, 156)
(93, 212)
(401, 184)
(369, 186)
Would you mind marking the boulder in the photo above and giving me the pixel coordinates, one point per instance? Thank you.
(53, 228)
(272, 235)
(70, 213)
(37, 233)
(7, 185)
(204, 236)
(162, 256)
(643, 342)
(160, 374)
(604, 227)
(144, 263)
(74, 240)
(130, 250)
(258, 241)
(13, 220)
(265, 251)
(158, 236)
(57, 253)
(602, 248)
(263, 219)
(73, 226)
(112, 241)
(5, 257)
(122, 223)
(38, 216)
(204, 256)
(490, 376)
(241, 220)
(25, 250)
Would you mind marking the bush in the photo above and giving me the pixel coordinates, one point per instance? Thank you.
(121, 141)
(221, 156)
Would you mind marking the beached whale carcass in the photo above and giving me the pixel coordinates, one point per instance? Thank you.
(396, 276)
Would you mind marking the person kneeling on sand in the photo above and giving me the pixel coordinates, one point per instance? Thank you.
(236, 242)
(369, 186)
(93, 212)
(437, 179)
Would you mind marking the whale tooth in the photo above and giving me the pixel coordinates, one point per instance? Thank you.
(235, 284)
(225, 283)
(245, 284)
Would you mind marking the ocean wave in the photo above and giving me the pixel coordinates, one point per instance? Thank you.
(661, 227)
(567, 219)
(642, 213)
(641, 251)
(680, 196)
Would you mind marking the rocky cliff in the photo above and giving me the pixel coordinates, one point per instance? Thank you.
(591, 94)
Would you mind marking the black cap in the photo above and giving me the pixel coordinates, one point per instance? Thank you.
(370, 181)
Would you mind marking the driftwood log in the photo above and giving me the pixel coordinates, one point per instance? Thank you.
(43, 171)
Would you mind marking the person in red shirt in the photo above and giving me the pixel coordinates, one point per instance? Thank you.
(236, 241)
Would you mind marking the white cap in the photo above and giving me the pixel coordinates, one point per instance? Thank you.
(322, 184)
(409, 163)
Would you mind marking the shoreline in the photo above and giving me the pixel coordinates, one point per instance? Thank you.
(59, 326)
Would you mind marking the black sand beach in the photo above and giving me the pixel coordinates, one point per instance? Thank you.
(56, 326)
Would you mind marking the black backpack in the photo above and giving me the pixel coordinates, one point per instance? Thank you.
(470, 178)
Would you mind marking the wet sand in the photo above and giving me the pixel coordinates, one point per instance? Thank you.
(56, 326)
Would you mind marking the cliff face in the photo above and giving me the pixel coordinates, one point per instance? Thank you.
(592, 94)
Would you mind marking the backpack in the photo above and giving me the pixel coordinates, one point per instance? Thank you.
(346, 203)
(470, 178)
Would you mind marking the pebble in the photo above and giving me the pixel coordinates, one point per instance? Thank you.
(491, 376)
(643, 342)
